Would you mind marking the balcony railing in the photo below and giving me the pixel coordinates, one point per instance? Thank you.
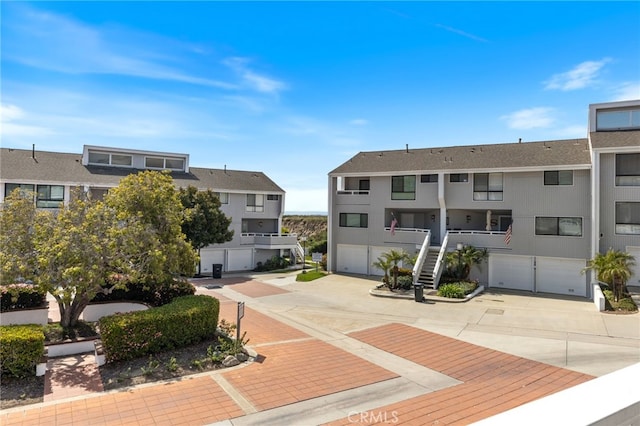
(485, 239)
(406, 235)
(353, 192)
(267, 240)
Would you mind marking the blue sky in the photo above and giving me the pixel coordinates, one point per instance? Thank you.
(294, 89)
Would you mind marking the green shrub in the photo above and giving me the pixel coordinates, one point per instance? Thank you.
(627, 304)
(153, 294)
(457, 290)
(21, 347)
(405, 282)
(271, 264)
(186, 320)
(15, 297)
(452, 291)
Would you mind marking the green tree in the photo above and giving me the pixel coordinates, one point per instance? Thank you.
(203, 222)
(385, 265)
(150, 200)
(395, 257)
(78, 250)
(460, 262)
(17, 254)
(612, 268)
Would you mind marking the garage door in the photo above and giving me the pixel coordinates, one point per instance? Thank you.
(509, 271)
(561, 276)
(635, 278)
(208, 257)
(239, 260)
(352, 259)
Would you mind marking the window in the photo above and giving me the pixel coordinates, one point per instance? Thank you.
(49, 196)
(98, 158)
(354, 220)
(459, 177)
(273, 197)
(428, 178)
(559, 226)
(363, 185)
(403, 187)
(487, 187)
(628, 169)
(223, 196)
(110, 159)
(24, 187)
(255, 202)
(616, 120)
(558, 177)
(628, 218)
(164, 163)
(154, 163)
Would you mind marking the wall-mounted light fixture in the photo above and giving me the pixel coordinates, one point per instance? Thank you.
(433, 218)
(468, 218)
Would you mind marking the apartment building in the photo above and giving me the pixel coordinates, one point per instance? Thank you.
(541, 209)
(253, 201)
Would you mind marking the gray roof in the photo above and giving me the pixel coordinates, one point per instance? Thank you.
(618, 139)
(526, 155)
(64, 168)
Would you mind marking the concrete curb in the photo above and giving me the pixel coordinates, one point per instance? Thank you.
(408, 294)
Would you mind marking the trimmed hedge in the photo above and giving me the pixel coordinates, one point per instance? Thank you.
(457, 290)
(15, 297)
(155, 294)
(186, 320)
(21, 347)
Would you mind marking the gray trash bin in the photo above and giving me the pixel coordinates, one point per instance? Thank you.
(217, 270)
(419, 292)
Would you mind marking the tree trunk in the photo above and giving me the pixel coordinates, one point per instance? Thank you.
(395, 277)
(69, 314)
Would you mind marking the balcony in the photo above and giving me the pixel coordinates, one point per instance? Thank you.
(268, 241)
(481, 239)
(405, 235)
(352, 196)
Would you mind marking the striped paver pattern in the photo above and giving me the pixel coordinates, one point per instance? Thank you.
(493, 381)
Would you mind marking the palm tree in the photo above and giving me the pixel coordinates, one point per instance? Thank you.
(395, 257)
(384, 264)
(612, 268)
(460, 262)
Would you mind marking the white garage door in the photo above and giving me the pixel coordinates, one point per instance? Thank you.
(509, 271)
(208, 257)
(352, 259)
(561, 276)
(240, 260)
(635, 278)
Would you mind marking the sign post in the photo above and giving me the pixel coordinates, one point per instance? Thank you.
(316, 257)
(240, 316)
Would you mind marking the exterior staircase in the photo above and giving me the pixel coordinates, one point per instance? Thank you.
(426, 277)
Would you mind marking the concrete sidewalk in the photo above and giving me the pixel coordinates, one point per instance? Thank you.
(330, 352)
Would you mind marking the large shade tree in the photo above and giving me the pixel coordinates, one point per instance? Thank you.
(17, 252)
(151, 199)
(204, 223)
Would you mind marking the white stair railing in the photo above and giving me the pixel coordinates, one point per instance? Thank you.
(439, 266)
(422, 256)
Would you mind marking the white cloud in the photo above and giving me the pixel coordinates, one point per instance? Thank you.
(55, 42)
(531, 118)
(462, 33)
(359, 122)
(256, 81)
(627, 91)
(581, 76)
(10, 115)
